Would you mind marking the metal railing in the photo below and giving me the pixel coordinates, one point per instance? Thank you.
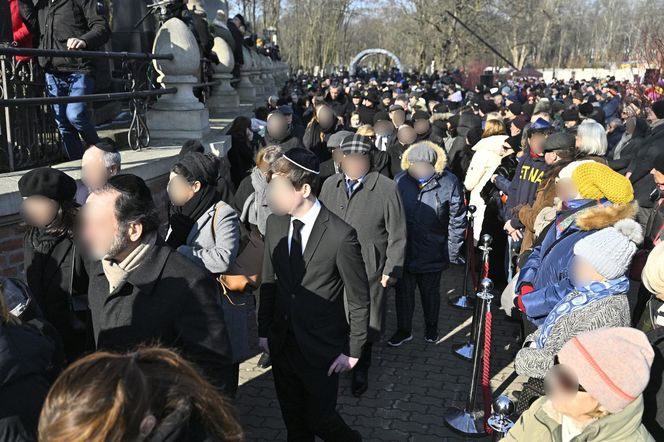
(29, 135)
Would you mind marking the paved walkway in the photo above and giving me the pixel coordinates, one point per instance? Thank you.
(410, 386)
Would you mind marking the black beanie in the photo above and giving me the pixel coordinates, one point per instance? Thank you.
(420, 115)
(202, 167)
(515, 108)
(570, 114)
(381, 116)
(474, 135)
(191, 146)
(587, 109)
(658, 163)
(658, 109)
(51, 183)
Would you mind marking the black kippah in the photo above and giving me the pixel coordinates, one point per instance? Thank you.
(107, 145)
(304, 159)
(131, 184)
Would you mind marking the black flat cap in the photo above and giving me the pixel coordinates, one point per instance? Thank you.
(51, 183)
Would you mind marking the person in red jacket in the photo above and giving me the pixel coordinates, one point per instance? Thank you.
(22, 35)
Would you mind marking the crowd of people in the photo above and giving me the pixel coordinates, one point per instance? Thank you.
(335, 193)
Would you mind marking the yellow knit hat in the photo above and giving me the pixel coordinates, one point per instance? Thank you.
(596, 181)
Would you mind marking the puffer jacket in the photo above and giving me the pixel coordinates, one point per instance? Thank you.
(542, 423)
(488, 153)
(547, 267)
(435, 217)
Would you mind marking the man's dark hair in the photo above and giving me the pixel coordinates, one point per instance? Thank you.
(134, 204)
(296, 175)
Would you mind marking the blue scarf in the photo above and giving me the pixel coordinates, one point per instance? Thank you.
(580, 298)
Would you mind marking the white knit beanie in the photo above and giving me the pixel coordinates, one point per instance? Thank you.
(610, 250)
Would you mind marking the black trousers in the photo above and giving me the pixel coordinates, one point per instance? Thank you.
(308, 398)
(429, 285)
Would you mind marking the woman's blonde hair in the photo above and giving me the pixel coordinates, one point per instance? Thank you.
(494, 127)
(268, 154)
(104, 397)
(366, 130)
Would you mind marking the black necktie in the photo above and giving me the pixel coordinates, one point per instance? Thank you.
(296, 261)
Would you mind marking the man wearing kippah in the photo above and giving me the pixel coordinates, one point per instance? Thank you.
(313, 307)
(371, 204)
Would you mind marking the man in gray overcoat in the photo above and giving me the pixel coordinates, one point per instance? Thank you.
(371, 204)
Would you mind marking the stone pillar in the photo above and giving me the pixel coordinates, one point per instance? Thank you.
(223, 97)
(270, 76)
(256, 78)
(182, 115)
(245, 87)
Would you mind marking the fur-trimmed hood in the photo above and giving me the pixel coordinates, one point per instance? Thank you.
(601, 217)
(441, 156)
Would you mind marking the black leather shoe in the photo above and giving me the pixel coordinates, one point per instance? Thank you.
(264, 361)
(360, 382)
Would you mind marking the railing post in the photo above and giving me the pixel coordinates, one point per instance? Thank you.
(8, 122)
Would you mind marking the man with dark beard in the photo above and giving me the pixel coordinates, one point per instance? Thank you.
(279, 132)
(339, 103)
(142, 291)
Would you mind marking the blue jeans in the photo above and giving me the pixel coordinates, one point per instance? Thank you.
(73, 118)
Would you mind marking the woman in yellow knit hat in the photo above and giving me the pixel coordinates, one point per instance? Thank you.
(592, 197)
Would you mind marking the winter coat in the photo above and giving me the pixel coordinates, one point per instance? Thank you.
(488, 153)
(215, 253)
(642, 164)
(653, 395)
(20, 32)
(547, 268)
(435, 217)
(241, 157)
(612, 311)
(58, 281)
(628, 147)
(395, 151)
(542, 423)
(528, 176)
(315, 139)
(167, 299)
(375, 211)
(466, 122)
(288, 142)
(544, 197)
(58, 20)
(27, 363)
(342, 106)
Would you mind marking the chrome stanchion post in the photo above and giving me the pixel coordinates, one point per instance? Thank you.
(464, 301)
(500, 420)
(469, 421)
(466, 350)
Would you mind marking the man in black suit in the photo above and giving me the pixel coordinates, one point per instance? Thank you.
(312, 259)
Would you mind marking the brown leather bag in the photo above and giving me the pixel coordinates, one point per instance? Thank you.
(244, 274)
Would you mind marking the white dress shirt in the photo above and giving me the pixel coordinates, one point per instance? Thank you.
(308, 220)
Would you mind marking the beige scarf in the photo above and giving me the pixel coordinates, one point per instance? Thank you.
(118, 272)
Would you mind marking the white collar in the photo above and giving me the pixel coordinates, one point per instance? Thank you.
(310, 217)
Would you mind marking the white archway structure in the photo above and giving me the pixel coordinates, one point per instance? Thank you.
(368, 52)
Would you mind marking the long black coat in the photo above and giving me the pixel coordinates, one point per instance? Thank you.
(642, 164)
(166, 300)
(59, 282)
(313, 308)
(27, 363)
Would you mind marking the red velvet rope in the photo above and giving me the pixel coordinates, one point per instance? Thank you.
(486, 371)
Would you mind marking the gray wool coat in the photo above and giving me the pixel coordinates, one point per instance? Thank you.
(612, 311)
(216, 253)
(376, 212)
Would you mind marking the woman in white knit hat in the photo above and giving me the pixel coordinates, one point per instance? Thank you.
(598, 298)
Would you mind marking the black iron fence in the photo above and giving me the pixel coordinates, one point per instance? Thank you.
(28, 134)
